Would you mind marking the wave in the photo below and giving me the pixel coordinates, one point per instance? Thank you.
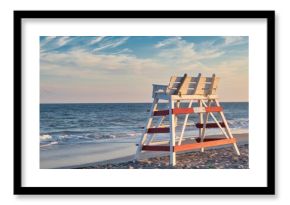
(49, 144)
(82, 138)
(69, 137)
(242, 123)
(65, 132)
(45, 137)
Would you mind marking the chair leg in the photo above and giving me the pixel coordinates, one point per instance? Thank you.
(172, 133)
(148, 125)
(204, 124)
(227, 128)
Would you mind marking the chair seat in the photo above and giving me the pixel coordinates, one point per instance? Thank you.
(166, 96)
(187, 88)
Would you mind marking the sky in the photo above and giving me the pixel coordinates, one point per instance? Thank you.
(112, 69)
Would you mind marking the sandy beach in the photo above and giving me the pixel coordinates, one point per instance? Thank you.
(119, 154)
(220, 158)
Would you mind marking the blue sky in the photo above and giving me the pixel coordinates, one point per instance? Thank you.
(122, 68)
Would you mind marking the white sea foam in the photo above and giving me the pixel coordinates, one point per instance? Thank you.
(45, 138)
(49, 144)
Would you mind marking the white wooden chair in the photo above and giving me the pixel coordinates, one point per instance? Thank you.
(185, 89)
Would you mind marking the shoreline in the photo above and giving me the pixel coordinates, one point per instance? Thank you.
(148, 160)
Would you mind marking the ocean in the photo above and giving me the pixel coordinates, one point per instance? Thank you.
(70, 124)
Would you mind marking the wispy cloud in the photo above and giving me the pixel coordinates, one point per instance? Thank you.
(123, 51)
(96, 40)
(234, 40)
(170, 41)
(54, 43)
(112, 43)
(46, 40)
(178, 51)
(63, 40)
(62, 44)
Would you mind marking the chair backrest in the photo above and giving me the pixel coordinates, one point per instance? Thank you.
(188, 85)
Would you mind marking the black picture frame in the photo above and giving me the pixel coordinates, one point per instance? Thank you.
(21, 190)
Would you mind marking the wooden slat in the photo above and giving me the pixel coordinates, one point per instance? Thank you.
(195, 85)
(183, 87)
(214, 109)
(199, 90)
(177, 111)
(186, 147)
(214, 85)
(189, 97)
(187, 92)
(156, 148)
(159, 130)
(161, 113)
(175, 79)
(181, 83)
(205, 88)
(191, 85)
(208, 139)
(210, 125)
(180, 111)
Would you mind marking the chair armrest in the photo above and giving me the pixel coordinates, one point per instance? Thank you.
(159, 89)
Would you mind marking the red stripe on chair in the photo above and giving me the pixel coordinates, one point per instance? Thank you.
(161, 112)
(208, 139)
(179, 148)
(159, 130)
(155, 148)
(214, 109)
(186, 147)
(177, 111)
(210, 125)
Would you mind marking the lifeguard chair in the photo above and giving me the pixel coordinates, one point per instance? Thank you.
(185, 90)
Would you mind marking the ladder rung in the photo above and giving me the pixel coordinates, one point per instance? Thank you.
(159, 130)
(212, 143)
(198, 139)
(156, 148)
(185, 147)
(198, 125)
(214, 109)
(187, 124)
(178, 125)
(161, 113)
(210, 125)
(179, 111)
